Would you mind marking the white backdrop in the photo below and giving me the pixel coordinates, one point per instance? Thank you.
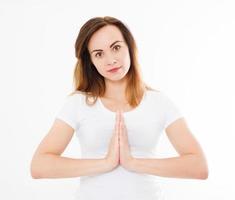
(186, 48)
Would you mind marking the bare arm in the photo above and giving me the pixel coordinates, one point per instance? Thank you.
(47, 161)
(190, 164)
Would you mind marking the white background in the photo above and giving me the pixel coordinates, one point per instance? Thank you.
(186, 48)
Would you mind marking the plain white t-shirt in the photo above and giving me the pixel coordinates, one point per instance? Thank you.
(94, 128)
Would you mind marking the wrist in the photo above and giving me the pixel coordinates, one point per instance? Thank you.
(132, 164)
(108, 165)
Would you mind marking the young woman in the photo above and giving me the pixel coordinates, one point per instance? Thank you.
(118, 120)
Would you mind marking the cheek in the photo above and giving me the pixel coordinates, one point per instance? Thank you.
(126, 58)
(97, 64)
(98, 68)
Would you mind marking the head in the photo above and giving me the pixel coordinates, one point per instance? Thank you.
(108, 49)
(104, 43)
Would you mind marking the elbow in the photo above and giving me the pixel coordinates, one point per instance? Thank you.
(34, 175)
(202, 171)
(34, 172)
(203, 174)
(35, 169)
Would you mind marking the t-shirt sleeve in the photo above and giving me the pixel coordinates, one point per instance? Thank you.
(172, 112)
(68, 112)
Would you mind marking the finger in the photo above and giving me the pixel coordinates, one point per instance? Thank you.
(117, 123)
(121, 121)
(122, 118)
(121, 115)
(116, 120)
(117, 115)
(123, 130)
(122, 126)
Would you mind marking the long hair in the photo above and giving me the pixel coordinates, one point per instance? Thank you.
(87, 79)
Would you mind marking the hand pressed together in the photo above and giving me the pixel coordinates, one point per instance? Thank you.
(119, 149)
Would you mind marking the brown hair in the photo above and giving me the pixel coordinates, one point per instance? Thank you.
(87, 79)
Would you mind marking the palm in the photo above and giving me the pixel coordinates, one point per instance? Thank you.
(124, 148)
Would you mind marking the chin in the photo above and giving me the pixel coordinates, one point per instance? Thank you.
(115, 78)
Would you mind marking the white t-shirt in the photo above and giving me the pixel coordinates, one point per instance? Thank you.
(94, 127)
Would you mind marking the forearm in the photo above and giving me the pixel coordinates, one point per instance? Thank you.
(54, 166)
(185, 166)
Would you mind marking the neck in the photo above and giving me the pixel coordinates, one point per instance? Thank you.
(115, 90)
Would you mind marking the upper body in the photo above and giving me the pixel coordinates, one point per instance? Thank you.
(94, 125)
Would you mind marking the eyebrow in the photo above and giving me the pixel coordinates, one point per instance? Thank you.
(109, 46)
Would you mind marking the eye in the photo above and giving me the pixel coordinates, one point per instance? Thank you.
(116, 47)
(97, 55)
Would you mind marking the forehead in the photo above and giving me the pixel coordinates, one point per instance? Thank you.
(105, 36)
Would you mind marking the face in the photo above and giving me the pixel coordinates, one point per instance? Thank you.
(108, 50)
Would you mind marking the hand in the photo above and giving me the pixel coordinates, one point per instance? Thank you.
(112, 157)
(126, 159)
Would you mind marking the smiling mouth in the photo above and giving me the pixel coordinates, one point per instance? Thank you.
(114, 69)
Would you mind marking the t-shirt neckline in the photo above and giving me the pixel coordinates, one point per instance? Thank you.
(103, 107)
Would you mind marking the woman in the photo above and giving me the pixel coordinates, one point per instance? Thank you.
(118, 120)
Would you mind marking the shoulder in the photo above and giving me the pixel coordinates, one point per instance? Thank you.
(159, 97)
(72, 100)
(72, 103)
(75, 96)
(155, 94)
(82, 98)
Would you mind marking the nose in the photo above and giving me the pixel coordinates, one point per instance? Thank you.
(110, 60)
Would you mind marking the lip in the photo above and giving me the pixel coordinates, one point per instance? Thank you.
(113, 69)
